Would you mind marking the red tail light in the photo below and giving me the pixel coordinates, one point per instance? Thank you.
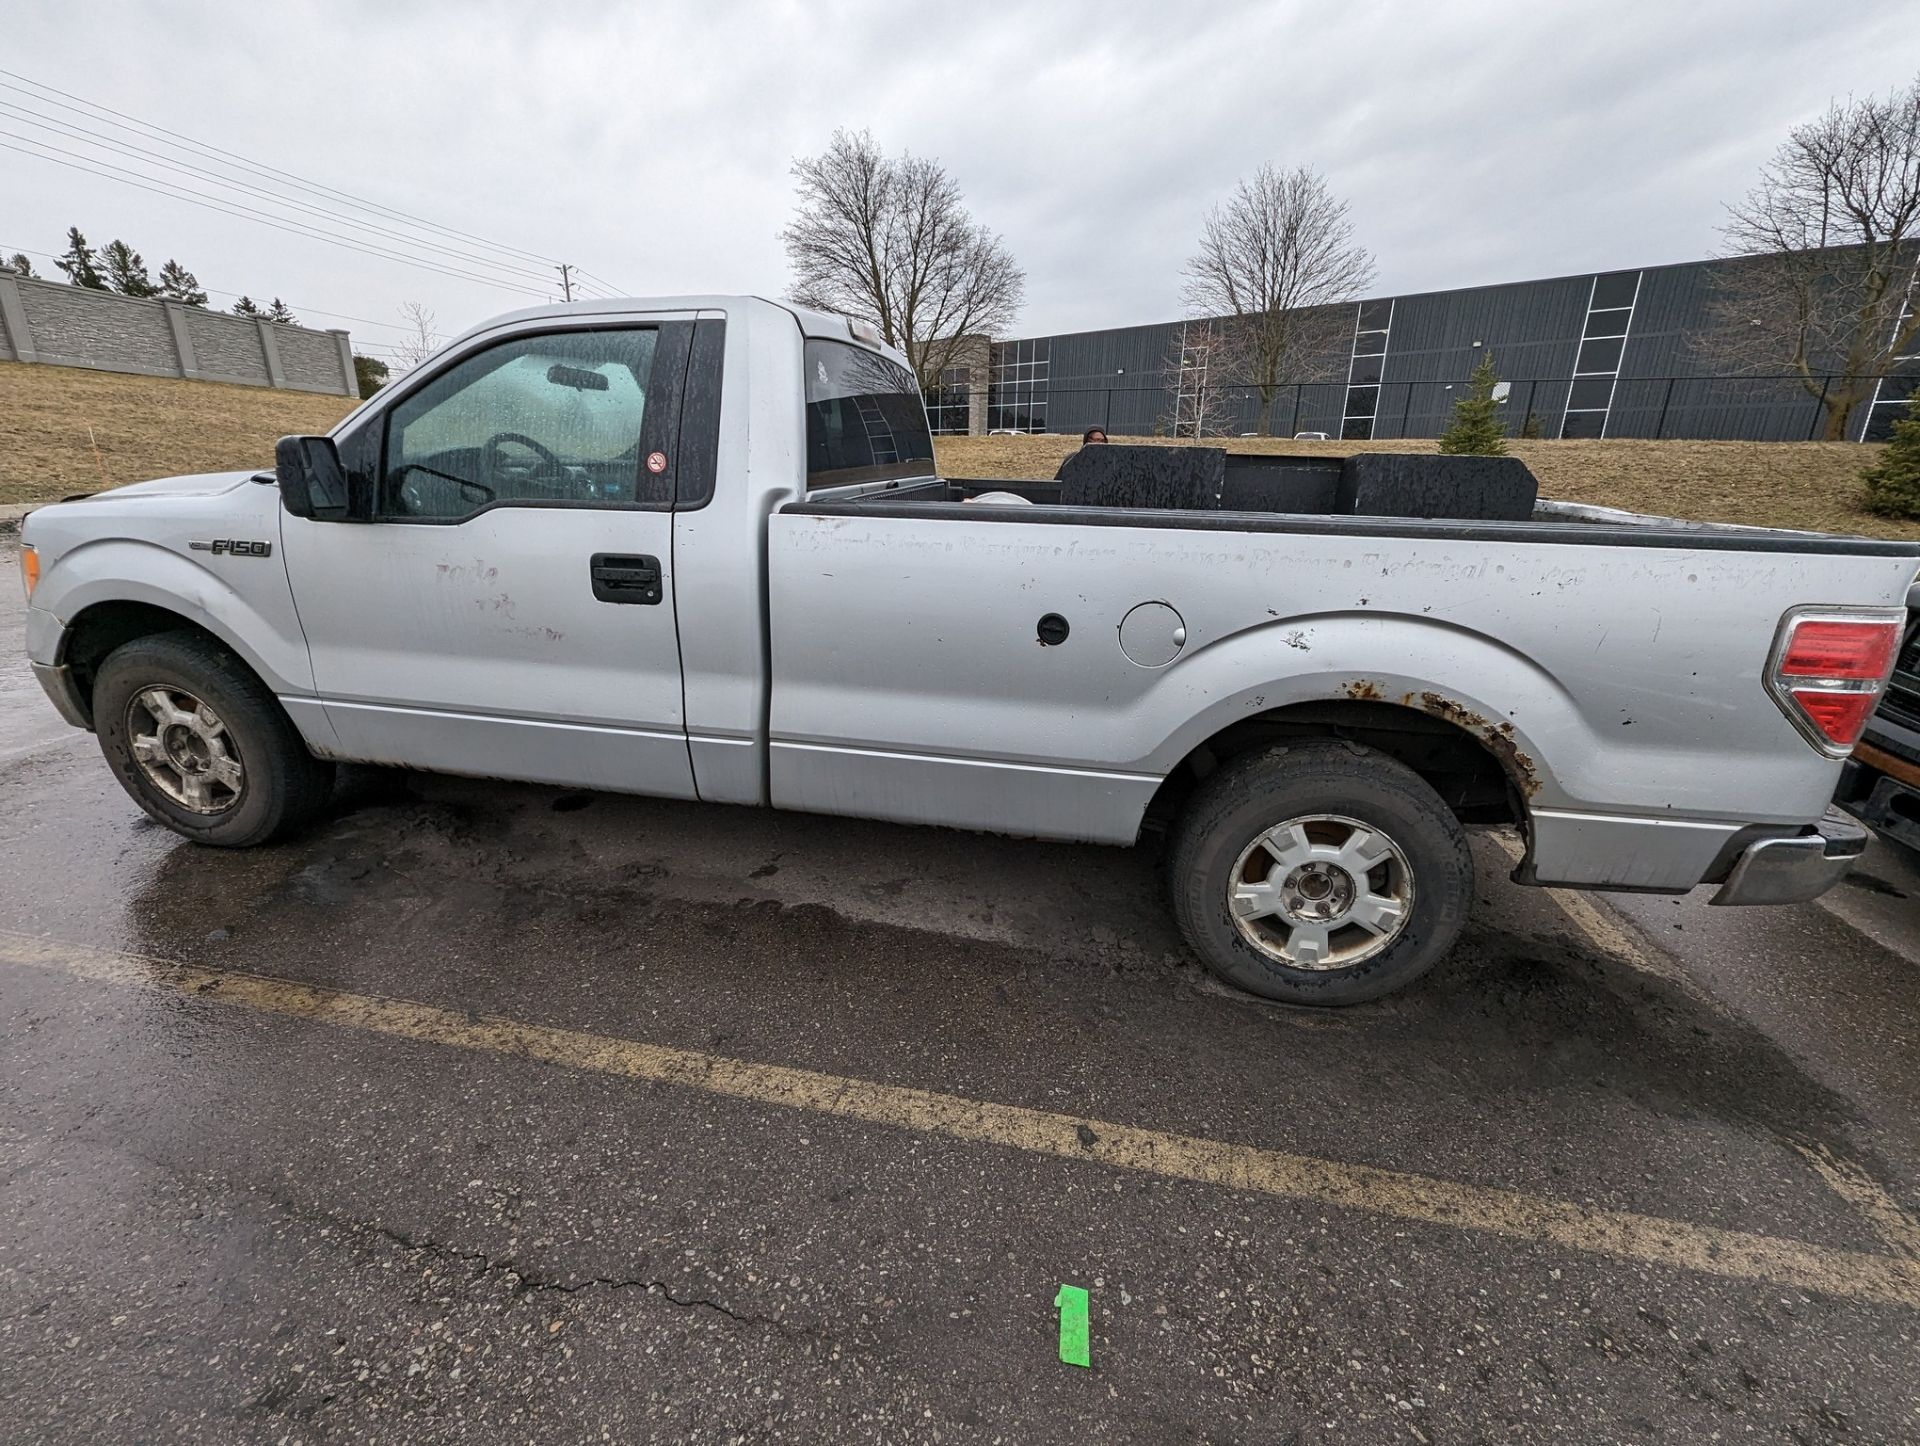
(1827, 670)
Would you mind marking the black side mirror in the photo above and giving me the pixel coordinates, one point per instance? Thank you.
(312, 481)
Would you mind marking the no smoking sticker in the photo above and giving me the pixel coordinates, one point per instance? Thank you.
(656, 462)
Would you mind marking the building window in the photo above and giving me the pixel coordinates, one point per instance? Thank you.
(1599, 354)
(1590, 394)
(1616, 288)
(1603, 340)
(1372, 324)
(1891, 392)
(1612, 322)
(1017, 391)
(950, 404)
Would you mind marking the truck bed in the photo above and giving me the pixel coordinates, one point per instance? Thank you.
(1614, 662)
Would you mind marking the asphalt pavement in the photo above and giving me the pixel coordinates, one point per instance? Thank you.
(485, 1112)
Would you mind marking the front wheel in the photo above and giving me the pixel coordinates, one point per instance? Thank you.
(1319, 873)
(200, 743)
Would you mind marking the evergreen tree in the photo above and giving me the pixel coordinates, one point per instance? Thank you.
(179, 284)
(246, 306)
(279, 312)
(127, 270)
(18, 261)
(370, 372)
(1893, 483)
(1476, 429)
(81, 262)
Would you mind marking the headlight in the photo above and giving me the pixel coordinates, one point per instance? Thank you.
(29, 568)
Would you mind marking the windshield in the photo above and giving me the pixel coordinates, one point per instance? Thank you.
(865, 418)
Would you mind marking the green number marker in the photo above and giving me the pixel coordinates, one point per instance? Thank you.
(1072, 1301)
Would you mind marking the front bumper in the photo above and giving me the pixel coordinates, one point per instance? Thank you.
(1793, 870)
(59, 682)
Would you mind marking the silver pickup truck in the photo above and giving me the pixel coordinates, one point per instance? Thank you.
(697, 548)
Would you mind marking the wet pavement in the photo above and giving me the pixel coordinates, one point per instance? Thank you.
(478, 1113)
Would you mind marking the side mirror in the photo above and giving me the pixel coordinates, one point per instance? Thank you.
(312, 481)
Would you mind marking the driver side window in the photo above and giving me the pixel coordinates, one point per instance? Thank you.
(554, 419)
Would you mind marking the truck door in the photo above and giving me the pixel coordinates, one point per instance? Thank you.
(504, 606)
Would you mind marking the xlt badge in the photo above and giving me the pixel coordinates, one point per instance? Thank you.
(237, 546)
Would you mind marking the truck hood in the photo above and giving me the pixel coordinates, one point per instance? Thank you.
(199, 484)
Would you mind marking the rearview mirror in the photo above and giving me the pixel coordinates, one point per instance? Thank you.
(579, 378)
(312, 481)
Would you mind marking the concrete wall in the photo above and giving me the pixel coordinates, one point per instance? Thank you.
(71, 326)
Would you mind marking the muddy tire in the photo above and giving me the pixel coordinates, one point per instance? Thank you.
(1319, 873)
(200, 743)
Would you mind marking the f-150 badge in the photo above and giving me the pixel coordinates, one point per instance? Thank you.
(235, 546)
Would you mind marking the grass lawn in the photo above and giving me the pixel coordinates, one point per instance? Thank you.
(65, 430)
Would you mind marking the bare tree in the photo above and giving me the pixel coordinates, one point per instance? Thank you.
(1204, 367)
(888, 241)
(421, 340)
(1829, 239)
(1278, 257)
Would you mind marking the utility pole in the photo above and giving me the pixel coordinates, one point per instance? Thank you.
(566, 280)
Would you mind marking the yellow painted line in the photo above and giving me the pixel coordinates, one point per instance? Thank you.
(1889, 1220)
(1602, 932)
(1617, 1234)
(1867, 1195)
(1612, 938)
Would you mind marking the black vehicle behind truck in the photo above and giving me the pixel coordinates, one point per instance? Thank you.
(1880, 784)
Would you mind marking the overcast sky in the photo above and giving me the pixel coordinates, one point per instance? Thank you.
(649, 142)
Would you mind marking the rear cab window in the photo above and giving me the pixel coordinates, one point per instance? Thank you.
(866, 421)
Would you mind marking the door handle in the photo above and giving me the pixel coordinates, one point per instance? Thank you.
(618, 578)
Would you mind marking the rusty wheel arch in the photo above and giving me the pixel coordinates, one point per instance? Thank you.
(1474, 763)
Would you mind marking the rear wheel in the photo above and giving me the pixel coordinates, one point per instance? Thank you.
(200, 743)
(1319, 873)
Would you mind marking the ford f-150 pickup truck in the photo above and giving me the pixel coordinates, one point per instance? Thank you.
(698, 548)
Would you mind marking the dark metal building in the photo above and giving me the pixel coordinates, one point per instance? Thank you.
(1618, 354)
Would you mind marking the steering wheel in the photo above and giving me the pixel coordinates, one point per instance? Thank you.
(547, 466)
(419, 501)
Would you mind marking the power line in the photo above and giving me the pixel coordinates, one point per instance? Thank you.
(571, 285)
(119, 147)
(236, 161)
(613, 292)
(238, 205)
(510, 261)
(6, 250)
(225, 207)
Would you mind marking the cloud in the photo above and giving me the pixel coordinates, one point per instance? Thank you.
(650, 143)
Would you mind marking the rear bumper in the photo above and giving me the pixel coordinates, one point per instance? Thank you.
(60, 686)
(1793, 870)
